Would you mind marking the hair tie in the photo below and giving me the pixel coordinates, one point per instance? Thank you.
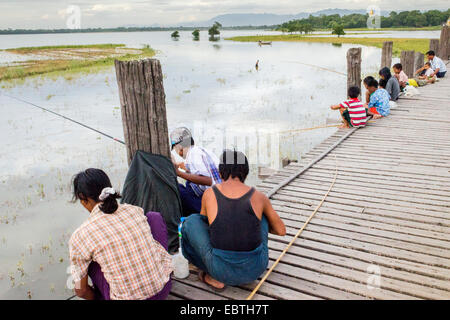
(106, 192)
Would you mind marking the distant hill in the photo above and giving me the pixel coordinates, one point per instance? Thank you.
(265, 19)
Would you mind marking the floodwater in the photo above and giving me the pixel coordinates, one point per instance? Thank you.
(211, 87)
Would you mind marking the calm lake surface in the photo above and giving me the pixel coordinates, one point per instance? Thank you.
(211, 87)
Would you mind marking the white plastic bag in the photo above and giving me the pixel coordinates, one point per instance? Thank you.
(410, 91)
(393, 104)
(180, 265)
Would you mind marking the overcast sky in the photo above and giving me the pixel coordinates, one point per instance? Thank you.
(31, 14)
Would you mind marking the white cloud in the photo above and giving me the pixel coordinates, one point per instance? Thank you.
(110, 8)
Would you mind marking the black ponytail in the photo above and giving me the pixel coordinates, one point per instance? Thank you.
(89, 184)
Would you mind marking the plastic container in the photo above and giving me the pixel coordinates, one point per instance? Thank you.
(179, 262)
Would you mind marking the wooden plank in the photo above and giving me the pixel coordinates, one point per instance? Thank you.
(360, 243)
(339, 283)
(389, 287)
(279, 292)
(390, 271)
(359, 206)
(371, 257)
(357, 226)
(187, 292)
(367, 235)
(410, 226)
(367, 211)
(394, 225)
(233, 293)
(369, 196)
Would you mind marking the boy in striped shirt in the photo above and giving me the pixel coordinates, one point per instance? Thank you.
(353, 112)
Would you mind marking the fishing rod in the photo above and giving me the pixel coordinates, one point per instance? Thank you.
(64, 117)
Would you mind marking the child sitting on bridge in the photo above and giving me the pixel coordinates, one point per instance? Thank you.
(352, 110)
(400, 75)
(378, 99)
(427, 76)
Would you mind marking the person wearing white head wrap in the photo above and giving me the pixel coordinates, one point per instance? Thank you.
(200, 169)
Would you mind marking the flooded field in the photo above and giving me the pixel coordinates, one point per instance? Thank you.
(211, 87)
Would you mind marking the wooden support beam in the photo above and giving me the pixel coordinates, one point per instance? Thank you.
(419, 60)
(354, 67)
(444, 43)
(142, 101)
(434, 45)
(407, 61)
(386, 54)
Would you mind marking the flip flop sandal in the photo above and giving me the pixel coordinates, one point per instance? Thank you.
(201, 277)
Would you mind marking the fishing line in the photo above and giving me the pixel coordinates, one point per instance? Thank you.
(318, 67)
(64, 117)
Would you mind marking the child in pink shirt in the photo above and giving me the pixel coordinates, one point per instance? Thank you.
(400, 75)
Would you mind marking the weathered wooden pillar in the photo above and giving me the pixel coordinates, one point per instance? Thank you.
(444, 43)
(354, 67)
(143, 105)
(419, 60)
(407, 61)
(386, 54)
(434, 45)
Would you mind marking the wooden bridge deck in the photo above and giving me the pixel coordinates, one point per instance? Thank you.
(390, 208)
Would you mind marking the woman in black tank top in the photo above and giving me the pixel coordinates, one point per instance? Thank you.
(228, 240)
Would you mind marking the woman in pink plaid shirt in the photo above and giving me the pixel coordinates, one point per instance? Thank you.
(115, 246)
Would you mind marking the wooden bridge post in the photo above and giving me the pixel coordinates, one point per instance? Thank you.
(434, 45)
(407, 61)
(143, 105)
(354, 67)
(386, 54)
(444, 43)
(419, 60)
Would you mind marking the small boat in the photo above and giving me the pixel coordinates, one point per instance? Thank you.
(262, 43)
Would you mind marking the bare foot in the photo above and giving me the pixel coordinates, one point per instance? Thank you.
(213, 282)
(377, 116)
(343, 126)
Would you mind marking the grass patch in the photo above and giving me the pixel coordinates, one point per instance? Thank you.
(65, 60)
(34, 50)
(400, 44)
(398, 29)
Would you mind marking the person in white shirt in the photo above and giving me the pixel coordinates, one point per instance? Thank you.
(437, 64)
(199, 169)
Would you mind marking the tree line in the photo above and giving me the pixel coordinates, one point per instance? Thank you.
(125, 29)
(413, 18)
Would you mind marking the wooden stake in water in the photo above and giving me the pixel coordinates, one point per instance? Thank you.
(386, 54)
(143, 105)
(353, 68)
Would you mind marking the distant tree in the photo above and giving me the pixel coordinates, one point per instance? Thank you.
(175, 35)
(214, 30)
(307, 28)
(338, 29)
(196, 34)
